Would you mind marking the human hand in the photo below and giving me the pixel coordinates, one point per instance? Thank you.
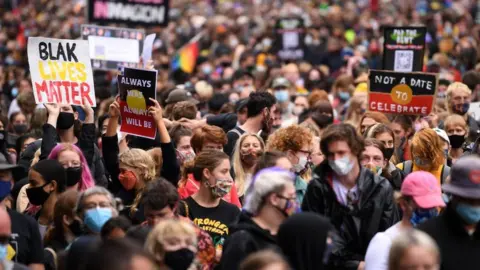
(89, 114)
(156, 110)
(53, 109)
(361, 266)
(114, 110)
(190, 123)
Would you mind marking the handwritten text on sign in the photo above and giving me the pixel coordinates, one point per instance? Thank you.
(61, 71)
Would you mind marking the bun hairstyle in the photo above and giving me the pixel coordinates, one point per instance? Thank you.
(209, 159)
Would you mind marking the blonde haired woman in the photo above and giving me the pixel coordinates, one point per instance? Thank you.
(137, 168)
(457, 130)
(247, 150)
(133, 168)
(173, 244)
(414, 249)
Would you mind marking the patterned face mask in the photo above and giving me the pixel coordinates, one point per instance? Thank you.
(221, 188)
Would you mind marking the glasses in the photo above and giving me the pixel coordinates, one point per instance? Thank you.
(99, 205)
(308, 153)
(286, 198)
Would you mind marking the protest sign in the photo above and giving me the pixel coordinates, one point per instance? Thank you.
(401, 93)
(136, 87)
(111, 48)
(130, 12)
(148, 48)
(404, 48)
(61, 71)
(474, 110)
(289, 41)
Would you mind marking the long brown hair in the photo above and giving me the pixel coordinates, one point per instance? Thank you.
(65, 206)
(209, 159)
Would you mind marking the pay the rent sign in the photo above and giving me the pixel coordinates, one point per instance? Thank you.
(61, 71)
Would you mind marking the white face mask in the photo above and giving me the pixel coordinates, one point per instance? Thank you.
(341, 166)
(300, 166)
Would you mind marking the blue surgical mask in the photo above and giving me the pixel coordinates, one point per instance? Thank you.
(344, 96)
(3, 252)
(281, 95)
(470, 214)
(95, 218)
(207, 70)
(421, 215)
(5, 187)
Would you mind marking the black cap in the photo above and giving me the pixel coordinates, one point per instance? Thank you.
(241, 103)
(240, 73)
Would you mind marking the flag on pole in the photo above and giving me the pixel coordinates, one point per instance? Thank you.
(186, 58)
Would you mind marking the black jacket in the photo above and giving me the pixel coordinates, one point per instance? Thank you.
(356, 226)
(458, 249)
(86, 143)
(245, 238)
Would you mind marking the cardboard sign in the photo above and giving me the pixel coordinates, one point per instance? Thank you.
(401, 93)
(474, 110)
(111, 48)
(289, 41)
(130, 12)
(61, 71)
(403, 48)
(136, 86)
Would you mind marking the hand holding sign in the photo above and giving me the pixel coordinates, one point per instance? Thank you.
(156, 111)
(89, 114)
(114, 110)
(53, 111)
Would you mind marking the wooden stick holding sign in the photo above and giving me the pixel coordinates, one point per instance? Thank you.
(61, 71)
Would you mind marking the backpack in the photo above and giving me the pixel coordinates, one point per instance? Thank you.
(408, 165)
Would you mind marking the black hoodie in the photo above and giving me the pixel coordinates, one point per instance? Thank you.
(245, 238)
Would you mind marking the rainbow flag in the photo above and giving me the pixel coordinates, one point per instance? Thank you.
(186, 58)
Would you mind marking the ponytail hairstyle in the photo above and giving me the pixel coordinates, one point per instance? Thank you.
(140, 160)
(208, 159)
(86, 181)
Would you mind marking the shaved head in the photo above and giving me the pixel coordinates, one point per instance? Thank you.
(5, 224)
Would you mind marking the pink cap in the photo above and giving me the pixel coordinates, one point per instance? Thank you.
(424, 188)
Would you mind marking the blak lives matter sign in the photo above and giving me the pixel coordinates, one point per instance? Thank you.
(130, 12)
(404, 48)
(61, 71)
(136, 87)
(401, 92)
(289, 41)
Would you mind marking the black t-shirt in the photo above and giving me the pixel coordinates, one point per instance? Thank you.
(215, 220)
(26, 239)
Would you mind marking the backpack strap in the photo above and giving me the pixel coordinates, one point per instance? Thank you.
(407, 166)
(54, 254)
(445, 173)
(235, 130)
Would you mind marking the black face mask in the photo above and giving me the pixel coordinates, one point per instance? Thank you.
(2, 136)
(77, 228)
(456, 141)
(74, 174)
(20, 128)
(37, 196)
(225, 64)
(322, 120)
(389, 153)
(65, 120)
(179, 259)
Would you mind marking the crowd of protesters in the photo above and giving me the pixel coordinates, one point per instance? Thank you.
(258, 163)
